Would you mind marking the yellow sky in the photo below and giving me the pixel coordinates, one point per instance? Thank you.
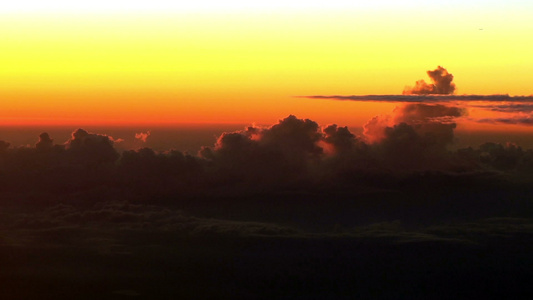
(243, 66)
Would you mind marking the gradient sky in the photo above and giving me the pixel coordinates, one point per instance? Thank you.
(125, 62)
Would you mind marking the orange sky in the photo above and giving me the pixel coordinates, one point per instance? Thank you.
(245, 65)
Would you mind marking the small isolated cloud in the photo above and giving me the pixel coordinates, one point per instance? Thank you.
(142, 136)
(442, 84)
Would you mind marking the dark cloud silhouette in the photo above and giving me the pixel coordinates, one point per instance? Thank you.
(283, 152)
(442, 84)
(45, 142)
(427, 98)
(91, 148)
(4, 146)
(340, 139)
(290, 204)
(311, 211)
(290, 153)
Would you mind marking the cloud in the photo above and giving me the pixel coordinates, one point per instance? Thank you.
(282, 152)
(433, 109)
(441, 90)
(442, 84)
(434, 120)
(526, 120)
(508, 107)
(44, 143)
(142, 136)
(4, 146)
(341, 139)
(426, 98)
(89, 148)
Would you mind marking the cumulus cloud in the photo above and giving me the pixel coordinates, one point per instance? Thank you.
(142, 136)
(440, 90)
(91, 148)
(282, 152)
(434, 120)
(441, 84)
(44, 143)
(340, 138)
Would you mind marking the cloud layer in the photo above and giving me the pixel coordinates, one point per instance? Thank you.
(427, 98)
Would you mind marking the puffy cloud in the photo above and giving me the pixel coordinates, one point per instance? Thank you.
(374, 129)
(441, 84)
(282, 152)
(88, 148)
(44, 143)
(431, 120)
(340, 138)
(142, 136)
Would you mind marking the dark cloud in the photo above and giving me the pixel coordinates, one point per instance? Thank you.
(282, 152)
(442, 84)
(426, 98)
(284, 204)
(508, 107)
(89, 148)
(4, 146)
(292, 152)
(527, 120)
(304, 208)
(340, 139)
(45, 142)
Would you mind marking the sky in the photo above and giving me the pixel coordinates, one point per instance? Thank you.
(148, 146)
(148, 62)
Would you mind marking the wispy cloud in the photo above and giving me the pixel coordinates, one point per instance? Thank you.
(509, 107)
(426, 98)
(527, 120)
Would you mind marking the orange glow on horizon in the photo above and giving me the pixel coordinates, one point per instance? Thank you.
(235, 67)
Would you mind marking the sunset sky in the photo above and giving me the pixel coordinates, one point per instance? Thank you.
(266, 149)
(138, 62)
